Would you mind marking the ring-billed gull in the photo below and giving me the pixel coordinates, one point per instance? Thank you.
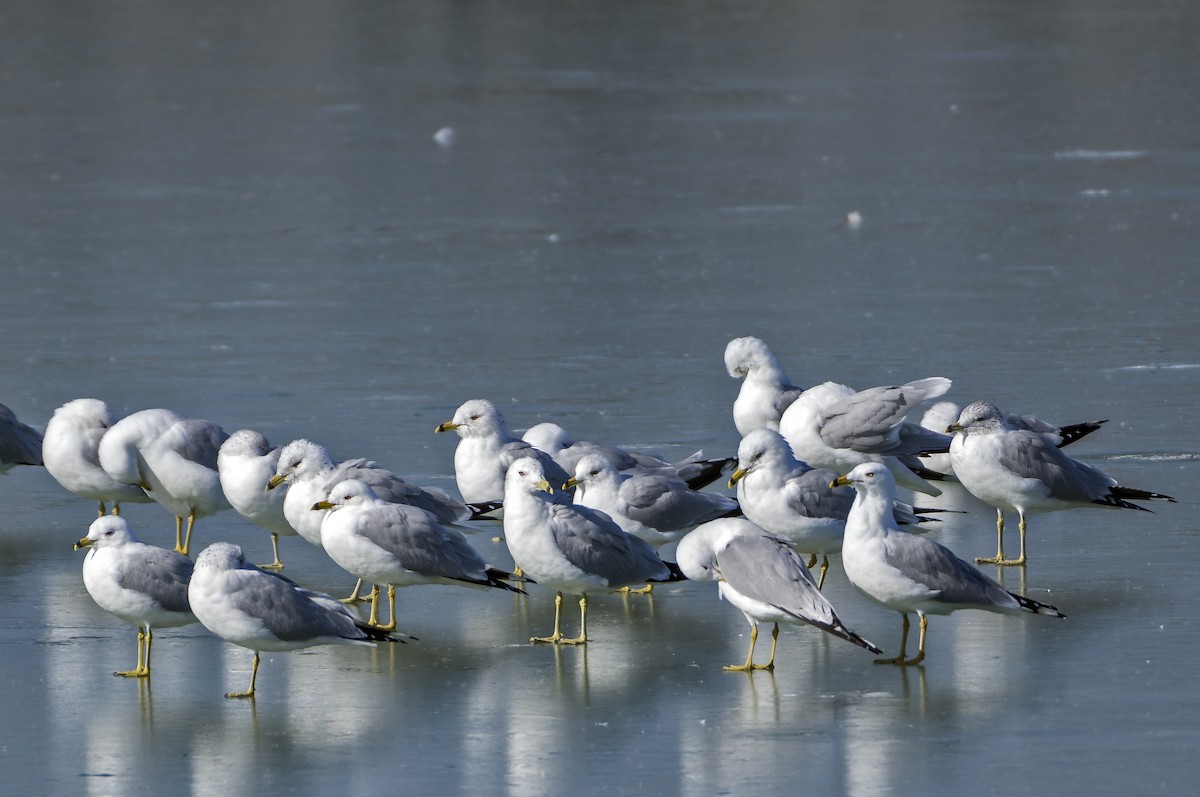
(1016, 470)
(944, 413)
(908, 573)
(20, 443)
(765, 393)
(761, 575)
(789, 499)
(655, 508)
(259, 610)
(172, 458)
(246, 463)
(143, 585)
(71, 450)
(485, 451)
(570, 548)
(827, 427)
(695, 470)
(398, 545)
(310, 471)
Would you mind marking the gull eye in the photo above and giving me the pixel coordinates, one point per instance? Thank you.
(108, 533)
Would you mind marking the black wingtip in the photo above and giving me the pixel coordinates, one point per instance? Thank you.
(1078, 431)
(482, 510)
(676, 573)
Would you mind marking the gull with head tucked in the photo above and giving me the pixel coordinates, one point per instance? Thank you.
(71, 450)
(765, 393)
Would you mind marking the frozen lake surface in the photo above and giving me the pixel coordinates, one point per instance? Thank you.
(241, 212)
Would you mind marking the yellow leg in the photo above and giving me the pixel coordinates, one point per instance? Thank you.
(187, 538)
(253, 677)
(899, 660)
(1000, 558)
(103, 511)
(143, 660)
(178, 534)
(354, 596)
(557, 634)
(391, 626)
(275, 547)
(582, 638)
(920, 644)
(770, 665)
(116, 510)
(750, 666)
(824, 570)
(812, 562)
(373, 619)
(646, 590)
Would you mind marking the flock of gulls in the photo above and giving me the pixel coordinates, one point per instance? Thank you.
(816, 473)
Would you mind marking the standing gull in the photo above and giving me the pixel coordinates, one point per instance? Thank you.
(912, 574)
(765, 393)
(139, 583)
(246, 463)
(261, 611)
(761, 576)
(1017, 470)
(571, 548)
(71, 450)
(172, 458)
(20, 443)
(828, 428)
(485, 451)
(790, 499)
(398, 545)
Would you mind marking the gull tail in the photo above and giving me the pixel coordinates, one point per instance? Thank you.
(500, 578)
(1037, 607)
(676, 574)
(703, 472)
(483, 509)
(376, 635)
(1077, 431)
(842, 632)
(1119, 496)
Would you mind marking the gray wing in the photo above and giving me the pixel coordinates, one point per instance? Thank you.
(809, 495)
(936, 567)
(667, 504)
(396, 489)
(287, 610)
(1031, 456)
(766, 569)
(591, 541)
(20, 444)
(161, 574)
(195, 440)
(870, 420)
(423, 545)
